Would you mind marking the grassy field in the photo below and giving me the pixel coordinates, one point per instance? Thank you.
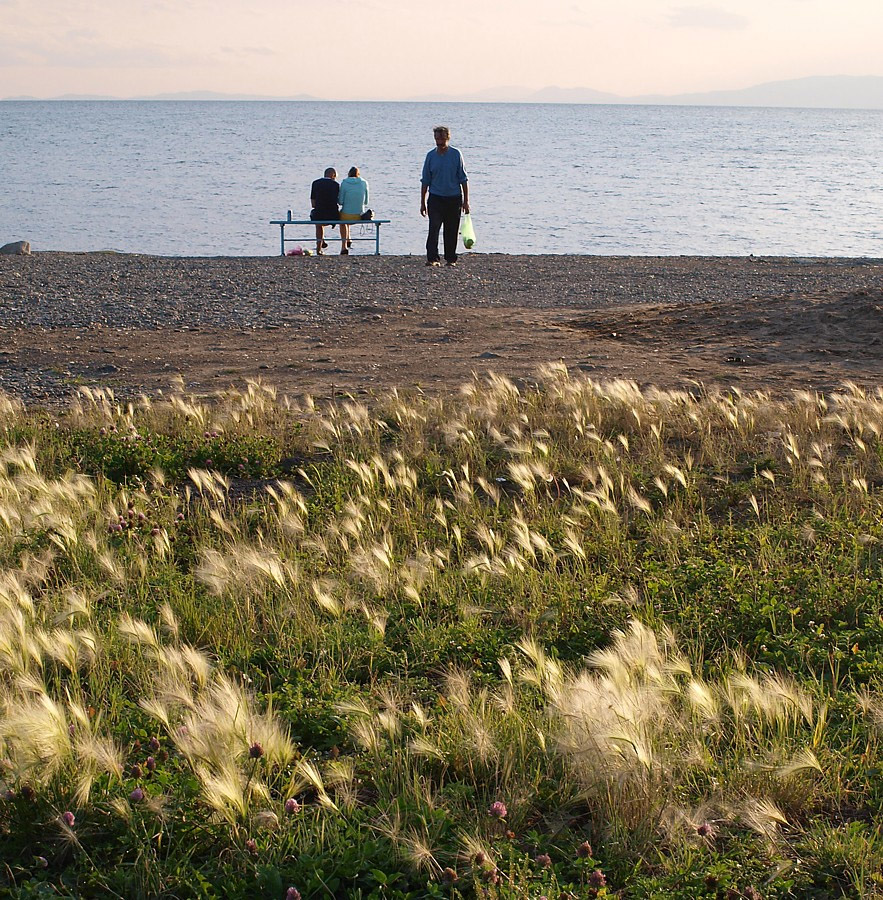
(562, 640)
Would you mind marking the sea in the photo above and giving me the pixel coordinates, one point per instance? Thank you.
(205, 178)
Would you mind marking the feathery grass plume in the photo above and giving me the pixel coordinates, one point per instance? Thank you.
(210, 484)
(763, 816)
(169, 621)
(77, 604)
(357, 707)
(662, 486)
(639, 502)
(198, 664)
(138, 632)
(11, 409)
(528, 475)
(491, 540)
(340, 774)
(802, 761)
(422, 746)
(368, 475)
(215, 570)
(871, 705)
(70, 648)
(99, 401)
(572, 542)
(157, 709)
(419, 850)
(108, 564)
(374, 563)
(14, 594)
(546, 673)
(290, 508)
(307, 775)
(773, 699)
(243, 568)
(187, 408)
(122, 808)
(754, 505)
(224, 789)
(640, 651)
(693, 825)
(223, 725)
(459, 688)
(376, 618)
(676, 473)
(21, 457)
(20, 648)
(323, 591)
(95, 755)
(703, 699)
(227, 527)
(37, 736)
(476, 852)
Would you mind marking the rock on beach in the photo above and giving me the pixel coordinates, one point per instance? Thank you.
(16, 248)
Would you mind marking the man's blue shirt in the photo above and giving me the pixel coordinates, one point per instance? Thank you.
(443, 173)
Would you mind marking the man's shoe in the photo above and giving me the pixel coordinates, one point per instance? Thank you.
(344, 252)
(433, 262)
(452, 262)
(324, 245)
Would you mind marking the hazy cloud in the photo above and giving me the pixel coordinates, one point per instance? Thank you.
(706, 17)
(245, 52)
(81, 50)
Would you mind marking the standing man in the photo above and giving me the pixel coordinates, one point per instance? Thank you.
(444, 179)
(323, 198)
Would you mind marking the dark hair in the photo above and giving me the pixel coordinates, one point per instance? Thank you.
(354, 172)
(442, 129)
(330, 172)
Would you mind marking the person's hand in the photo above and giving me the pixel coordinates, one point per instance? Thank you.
(423, 210)
(465, 206)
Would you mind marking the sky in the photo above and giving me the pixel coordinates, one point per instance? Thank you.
(395, 49)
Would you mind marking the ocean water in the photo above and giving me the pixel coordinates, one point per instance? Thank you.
(193, 179)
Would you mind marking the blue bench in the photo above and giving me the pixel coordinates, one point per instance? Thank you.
(282, 223)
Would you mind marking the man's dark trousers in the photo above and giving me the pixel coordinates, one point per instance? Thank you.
(443, 211)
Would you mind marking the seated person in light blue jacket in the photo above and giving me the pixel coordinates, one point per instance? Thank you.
(353, 200)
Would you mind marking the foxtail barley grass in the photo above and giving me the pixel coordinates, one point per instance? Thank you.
(639, 621)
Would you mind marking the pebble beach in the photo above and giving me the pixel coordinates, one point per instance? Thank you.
(94, 294)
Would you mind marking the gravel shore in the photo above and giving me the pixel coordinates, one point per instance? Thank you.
(117, 290)
(90, 292)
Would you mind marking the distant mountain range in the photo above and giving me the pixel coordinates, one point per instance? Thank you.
(181, 95)
(821, 91)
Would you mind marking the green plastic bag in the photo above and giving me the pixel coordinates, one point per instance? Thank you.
(467, 232)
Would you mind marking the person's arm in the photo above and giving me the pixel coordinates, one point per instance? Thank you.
(366, 194)
(425, 180)
(464, 184)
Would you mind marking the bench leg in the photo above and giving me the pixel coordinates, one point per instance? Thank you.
(282, 240)
(377, 239)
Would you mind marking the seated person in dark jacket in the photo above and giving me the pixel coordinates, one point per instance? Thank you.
(323, 197)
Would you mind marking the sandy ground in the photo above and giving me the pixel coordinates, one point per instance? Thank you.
(816, 333)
